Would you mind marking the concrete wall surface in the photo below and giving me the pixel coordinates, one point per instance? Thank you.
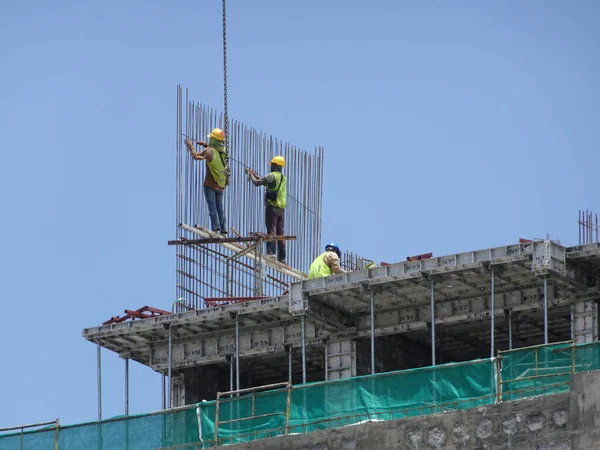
(568, 421)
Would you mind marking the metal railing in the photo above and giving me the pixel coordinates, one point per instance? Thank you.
(22, 428)
(562, 347)
(233, 397)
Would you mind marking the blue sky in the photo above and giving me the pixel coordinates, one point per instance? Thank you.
(447, 127)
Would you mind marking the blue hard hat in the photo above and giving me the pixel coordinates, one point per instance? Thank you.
(334, 246)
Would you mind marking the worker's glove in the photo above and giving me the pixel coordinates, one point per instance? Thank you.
(189, 145)
(202, 143)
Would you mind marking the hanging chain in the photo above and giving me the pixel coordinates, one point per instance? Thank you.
(225, 113)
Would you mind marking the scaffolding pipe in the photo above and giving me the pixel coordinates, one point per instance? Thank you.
(290, 365)
(99, 375)
(372, 332)
(326, 361)
(545, 310)
(230, 374)
(126, 386)
(303, 352)
(432, 306)
(170, 367)
(493, 317)
(237, 353)
(164, 394)
(510, 343)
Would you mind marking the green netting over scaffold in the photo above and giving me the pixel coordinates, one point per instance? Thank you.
(143, 432)
(314, 406)
(344, 402)
(545, 369)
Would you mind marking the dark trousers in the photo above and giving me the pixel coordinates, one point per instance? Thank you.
(274, 220)
(214, 200)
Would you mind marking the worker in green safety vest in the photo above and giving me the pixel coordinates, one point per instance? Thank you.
(275, 203)
(326, 263)
(217, 176)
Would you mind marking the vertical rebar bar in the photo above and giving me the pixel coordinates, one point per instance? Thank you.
(579, 226)
(432, 305)
(99, 374)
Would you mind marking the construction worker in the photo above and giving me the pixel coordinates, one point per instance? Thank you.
(275, 203)
(326, 263)
(370, 264)
(217, 176)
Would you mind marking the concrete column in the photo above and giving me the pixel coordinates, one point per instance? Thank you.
(178, 391)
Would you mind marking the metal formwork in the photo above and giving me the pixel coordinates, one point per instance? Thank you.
(539, 290)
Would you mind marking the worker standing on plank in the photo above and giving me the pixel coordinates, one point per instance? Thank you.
(275, 203)
(326, 263)
(217, 176)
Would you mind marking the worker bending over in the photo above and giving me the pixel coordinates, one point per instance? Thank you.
(275, 203)
(217, 176)
(326, 263)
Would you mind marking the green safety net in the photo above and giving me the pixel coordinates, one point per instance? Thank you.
(314, 406)
(344, 402)
(545, 369)
(144, 432)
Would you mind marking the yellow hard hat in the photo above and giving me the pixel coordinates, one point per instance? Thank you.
(279, 161)
(218, 134)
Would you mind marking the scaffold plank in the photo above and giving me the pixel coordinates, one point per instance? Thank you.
(274, 264)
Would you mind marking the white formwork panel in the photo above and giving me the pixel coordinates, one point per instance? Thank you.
(584, 321)
(341, 359)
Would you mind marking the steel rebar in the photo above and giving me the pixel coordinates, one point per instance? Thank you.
(243, 204)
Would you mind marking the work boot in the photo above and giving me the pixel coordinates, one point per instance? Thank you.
(223, 232)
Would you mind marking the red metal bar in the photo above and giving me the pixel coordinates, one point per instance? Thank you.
(158, 312)
(137, 314)
(419, 257)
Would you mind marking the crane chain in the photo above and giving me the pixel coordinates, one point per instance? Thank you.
(225, 112)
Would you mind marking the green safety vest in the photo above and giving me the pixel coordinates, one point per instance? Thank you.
(217, 168)
(318, 268)
(280, 190)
